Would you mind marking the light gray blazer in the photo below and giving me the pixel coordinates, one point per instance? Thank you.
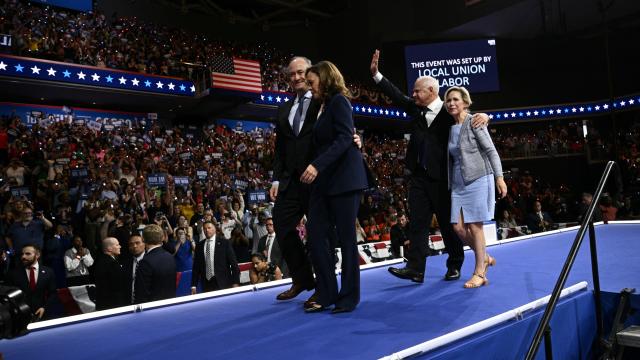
(479, 155)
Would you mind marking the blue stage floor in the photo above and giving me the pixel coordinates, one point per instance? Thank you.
(393, 314)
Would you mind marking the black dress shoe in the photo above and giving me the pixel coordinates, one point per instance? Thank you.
(409, 274)
(312, 299)
(340, 309)
(452, 274)
(313, 307)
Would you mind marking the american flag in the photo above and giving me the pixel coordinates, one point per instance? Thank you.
(236, 74)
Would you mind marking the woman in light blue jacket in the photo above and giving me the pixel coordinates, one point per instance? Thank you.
(473, 165)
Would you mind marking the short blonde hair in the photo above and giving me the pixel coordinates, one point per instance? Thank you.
(464, 94)
(153, 234)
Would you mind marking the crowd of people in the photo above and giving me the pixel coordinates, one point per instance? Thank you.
(66, 188)
(131, 44)
(126, 43)
(523, 142)
(87, 203)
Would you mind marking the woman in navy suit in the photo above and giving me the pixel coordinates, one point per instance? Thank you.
(338, 176)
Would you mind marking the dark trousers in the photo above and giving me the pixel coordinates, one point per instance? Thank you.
(210, 285)
(426, 197)
(327, 214)
(291, 205)
(79, 280)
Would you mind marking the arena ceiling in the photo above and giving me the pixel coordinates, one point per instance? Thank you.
(503, 18)
(265, 13)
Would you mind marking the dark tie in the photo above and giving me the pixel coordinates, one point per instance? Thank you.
(297, 118)
(208, 261)
(32, 278)
(424, 113)
(133, 280)
(266, 249)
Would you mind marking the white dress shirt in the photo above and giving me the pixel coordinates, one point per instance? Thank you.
(134, 268)
(294, 109)
(36, 271)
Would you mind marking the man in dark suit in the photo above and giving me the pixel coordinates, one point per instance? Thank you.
(268, 246)
(130, 265)
(108, 276)
(399, 234)
(538, 220)
(426, 160)
(156, 272)
(293, 153)
(214, 264)
(36, 281)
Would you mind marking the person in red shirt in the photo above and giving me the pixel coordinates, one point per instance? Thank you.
(4, 145)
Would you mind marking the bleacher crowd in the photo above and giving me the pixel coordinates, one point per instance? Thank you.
(65, 187)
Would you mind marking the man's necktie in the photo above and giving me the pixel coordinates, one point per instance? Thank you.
(268, 245)
(208, 260)
(297, 118)
(269, 240)
(133, 280)
(32, 277)
(422, 154)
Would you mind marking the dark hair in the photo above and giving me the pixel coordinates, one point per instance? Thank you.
(35, 246)
(260, 256)
(331, 80)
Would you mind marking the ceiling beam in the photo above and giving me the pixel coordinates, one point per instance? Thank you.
(297, 6)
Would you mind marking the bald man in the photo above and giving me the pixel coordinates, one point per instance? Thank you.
(109, 277)
(426, 161)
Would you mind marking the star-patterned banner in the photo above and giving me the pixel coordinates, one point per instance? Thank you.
(566, 110)
(525, 113)
(279, 98)
(93, 76)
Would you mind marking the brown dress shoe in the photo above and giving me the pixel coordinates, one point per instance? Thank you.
(294, 291)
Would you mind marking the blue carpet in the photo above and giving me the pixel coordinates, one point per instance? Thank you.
(393, 314)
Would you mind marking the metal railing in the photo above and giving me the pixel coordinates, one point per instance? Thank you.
(587, 225)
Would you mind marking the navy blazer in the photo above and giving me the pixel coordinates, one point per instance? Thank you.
(155, 276)
(339, 162)
(45, 293)
(225, 265)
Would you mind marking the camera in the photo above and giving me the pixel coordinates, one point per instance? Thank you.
(159, 215)
(15, 314)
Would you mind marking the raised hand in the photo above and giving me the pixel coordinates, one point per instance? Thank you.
(374, 62)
